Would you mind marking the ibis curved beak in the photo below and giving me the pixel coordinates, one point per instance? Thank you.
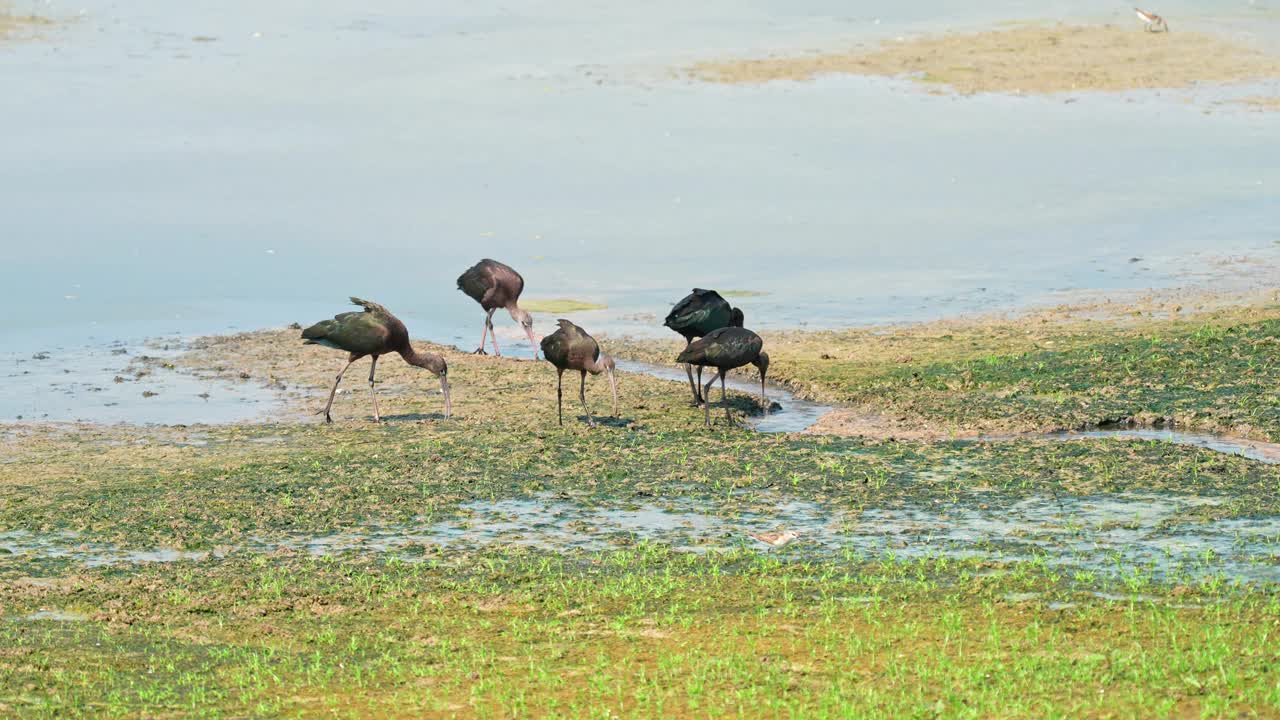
(532, 341)
(448, 403)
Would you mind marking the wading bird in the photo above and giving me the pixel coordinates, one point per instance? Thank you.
(495, 285)
(776, 539)
(726, 349)
(571, 348)
(374, 332)
(1154, 22)
(699, 313)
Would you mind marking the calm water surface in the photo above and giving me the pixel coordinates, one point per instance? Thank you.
(192, 168)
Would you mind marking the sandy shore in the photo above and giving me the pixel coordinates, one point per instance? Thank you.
(16, 25)
(1033, 59)
(1261, 103)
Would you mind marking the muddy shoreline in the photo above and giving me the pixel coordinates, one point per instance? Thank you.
(1031, 59)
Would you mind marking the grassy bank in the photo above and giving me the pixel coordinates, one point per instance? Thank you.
(1216, 371)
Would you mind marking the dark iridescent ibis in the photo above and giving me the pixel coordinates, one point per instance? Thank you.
(726, 349)
(571, 348)
(374, 332)
(699, 313)
(495, 285)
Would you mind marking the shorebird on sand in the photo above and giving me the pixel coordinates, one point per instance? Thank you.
(1154, 22)
(776, 539)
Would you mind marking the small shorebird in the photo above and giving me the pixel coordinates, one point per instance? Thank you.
(776, 539)
(1154, 22)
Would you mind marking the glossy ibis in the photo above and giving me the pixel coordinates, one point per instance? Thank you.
(571, 348)
(495, 285)
(699, 313)
(726, 349)
(374, 332)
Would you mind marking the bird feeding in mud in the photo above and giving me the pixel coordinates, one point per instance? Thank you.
(571, 348)
(1154, 23)
(374, 332)
(726, 349)
(776, 539)
(495, 285)
(701, 312)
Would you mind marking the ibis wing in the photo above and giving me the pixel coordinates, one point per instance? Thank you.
(371, 307)
(491, 283)
(732, 347)
(570, 346)
(699, 313)
(362, 333)
(476, 281)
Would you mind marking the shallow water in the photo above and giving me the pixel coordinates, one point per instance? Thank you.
(1253, 449)
(309, 152)
(104, 384)
(1112, 536)
(788, 414)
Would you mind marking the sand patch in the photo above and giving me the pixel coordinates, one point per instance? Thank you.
(15, 25)
(1261, 103)
(1029, 59)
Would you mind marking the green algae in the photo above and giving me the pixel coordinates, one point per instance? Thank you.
(559, 305)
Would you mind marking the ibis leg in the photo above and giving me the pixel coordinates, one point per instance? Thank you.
(560, 395)
(372, 392)
(688, 370)
(488, 319)
(582, 395)
(329, 405)
(764, 399)
(484, 335)
(723, 400)
(706, 404)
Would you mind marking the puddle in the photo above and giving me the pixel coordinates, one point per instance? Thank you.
(794, 415)
(103, 384)
(1253, 449)
(54, 616)
(1111, 534)
(1121, 536)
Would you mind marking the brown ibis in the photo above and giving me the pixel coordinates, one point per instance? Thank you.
(495, 285)
(699, 313)
(571, 348)
(724, 350)
(373, 332)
